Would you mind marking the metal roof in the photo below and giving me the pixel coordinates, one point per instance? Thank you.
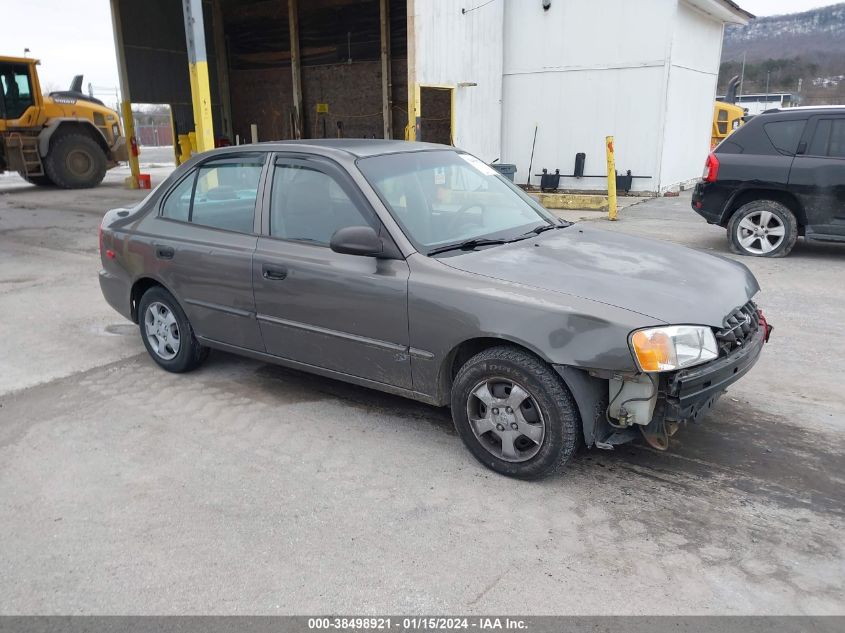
(735, 7)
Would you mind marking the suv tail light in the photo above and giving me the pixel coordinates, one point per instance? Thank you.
(711, 168)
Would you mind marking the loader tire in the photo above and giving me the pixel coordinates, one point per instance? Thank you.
(75, 161)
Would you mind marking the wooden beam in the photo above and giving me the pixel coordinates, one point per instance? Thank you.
(295, 68)
(386, 83)
(221, 55)
(125, 97)
(413, 90)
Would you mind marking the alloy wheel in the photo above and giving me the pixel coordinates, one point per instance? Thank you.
(760, 232)
(506, 419)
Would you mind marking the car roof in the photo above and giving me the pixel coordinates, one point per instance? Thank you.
(807, 109)
(357, 147)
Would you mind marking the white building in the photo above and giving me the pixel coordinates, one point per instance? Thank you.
(578, 70)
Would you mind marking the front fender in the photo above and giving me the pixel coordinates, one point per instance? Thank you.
(447, 307)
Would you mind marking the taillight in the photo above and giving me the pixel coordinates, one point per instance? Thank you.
(711, 168)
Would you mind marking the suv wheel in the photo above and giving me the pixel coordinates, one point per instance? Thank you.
(514, 413)
(167, 333)
(763, 228)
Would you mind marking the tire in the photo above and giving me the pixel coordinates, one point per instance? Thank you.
(170, 342)
(39, 181)
(75, 161)
(763, 228)
(548, 405)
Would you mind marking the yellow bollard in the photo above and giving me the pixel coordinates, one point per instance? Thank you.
(611, 179)
(184, 148)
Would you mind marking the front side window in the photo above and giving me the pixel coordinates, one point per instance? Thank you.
(17, 90)
(446, 197)
(220, 194)
(309, 205)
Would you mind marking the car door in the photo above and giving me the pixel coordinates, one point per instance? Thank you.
(818, 176)
(339, 312)
(205, 237)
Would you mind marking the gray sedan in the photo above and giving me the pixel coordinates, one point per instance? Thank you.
(418, 270)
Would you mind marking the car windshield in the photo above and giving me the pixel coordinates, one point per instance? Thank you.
(440, 198)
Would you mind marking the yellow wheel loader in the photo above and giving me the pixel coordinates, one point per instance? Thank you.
(66, 139)
(727, 117)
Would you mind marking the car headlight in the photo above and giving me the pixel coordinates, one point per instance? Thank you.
(673, 347)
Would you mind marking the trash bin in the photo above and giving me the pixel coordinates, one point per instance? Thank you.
(506, 169)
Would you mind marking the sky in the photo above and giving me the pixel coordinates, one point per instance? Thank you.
(72, 38)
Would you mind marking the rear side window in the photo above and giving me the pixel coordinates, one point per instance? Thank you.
(178, 203)
(784, 135)
(828, 139)
(220, 194)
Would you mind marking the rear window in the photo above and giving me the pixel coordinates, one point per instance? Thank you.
(784, 135)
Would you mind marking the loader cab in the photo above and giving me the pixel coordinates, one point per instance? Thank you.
(19, 91)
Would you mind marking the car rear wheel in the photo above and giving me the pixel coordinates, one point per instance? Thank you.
(167, 333)
(514, 413)
(763, 228)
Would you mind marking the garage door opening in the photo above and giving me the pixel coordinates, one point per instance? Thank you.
(341, 67)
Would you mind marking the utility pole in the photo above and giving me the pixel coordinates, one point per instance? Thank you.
(742, 74)
(768, 73)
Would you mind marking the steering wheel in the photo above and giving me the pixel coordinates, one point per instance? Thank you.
(462, 218)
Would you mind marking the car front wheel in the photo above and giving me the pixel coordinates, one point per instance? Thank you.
(514, 413)
(167, 333)
(763, 228)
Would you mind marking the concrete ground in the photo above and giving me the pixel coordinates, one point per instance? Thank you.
(246, 488)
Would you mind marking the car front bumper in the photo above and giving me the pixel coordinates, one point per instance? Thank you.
(691, 392)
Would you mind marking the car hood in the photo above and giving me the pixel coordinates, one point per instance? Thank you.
(658, 279)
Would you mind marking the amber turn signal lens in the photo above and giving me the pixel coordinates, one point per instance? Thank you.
(653, 350)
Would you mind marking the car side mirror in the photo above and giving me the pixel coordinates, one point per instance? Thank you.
(357, 240)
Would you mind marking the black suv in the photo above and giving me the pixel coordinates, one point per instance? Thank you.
(779, 176)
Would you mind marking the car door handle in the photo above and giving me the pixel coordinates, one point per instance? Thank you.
(274, 273)
(165, 252)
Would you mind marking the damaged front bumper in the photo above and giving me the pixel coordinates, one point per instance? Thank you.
(682, 396)
(691, 392)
